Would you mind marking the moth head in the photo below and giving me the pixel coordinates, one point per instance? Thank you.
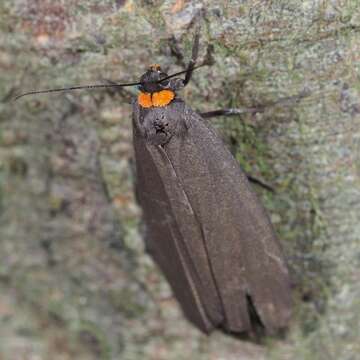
(151, 80)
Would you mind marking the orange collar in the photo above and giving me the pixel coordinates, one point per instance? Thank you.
(161, 98)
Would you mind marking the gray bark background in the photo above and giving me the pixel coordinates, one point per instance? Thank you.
(74, 280)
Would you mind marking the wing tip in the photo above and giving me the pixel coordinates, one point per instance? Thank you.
(260, 323)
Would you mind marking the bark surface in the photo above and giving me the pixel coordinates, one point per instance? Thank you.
(75, 282)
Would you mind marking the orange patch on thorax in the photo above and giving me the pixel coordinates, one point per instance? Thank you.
(161, 98)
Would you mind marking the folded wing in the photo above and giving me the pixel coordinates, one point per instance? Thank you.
(209, 233)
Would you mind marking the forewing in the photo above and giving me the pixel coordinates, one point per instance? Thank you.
(206, 228)
(163, 202)
(244, 253)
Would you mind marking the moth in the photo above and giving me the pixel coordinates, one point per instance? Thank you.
(204, 225)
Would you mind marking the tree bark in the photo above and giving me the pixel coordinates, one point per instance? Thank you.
(74, 279)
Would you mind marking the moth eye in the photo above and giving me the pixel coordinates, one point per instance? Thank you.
(165, 83)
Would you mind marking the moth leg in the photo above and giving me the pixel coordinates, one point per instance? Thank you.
(176, 52)
(285, 101)
(260, 183)
(194, 56)
(231, 112)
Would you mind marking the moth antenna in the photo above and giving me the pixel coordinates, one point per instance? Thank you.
(74, 88)
(181, 72)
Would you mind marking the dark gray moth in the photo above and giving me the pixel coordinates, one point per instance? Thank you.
(204, 226)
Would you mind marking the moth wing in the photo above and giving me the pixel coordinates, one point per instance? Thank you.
(244, 254)
(186, 268)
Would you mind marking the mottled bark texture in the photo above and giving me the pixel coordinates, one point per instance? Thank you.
(74, 280)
